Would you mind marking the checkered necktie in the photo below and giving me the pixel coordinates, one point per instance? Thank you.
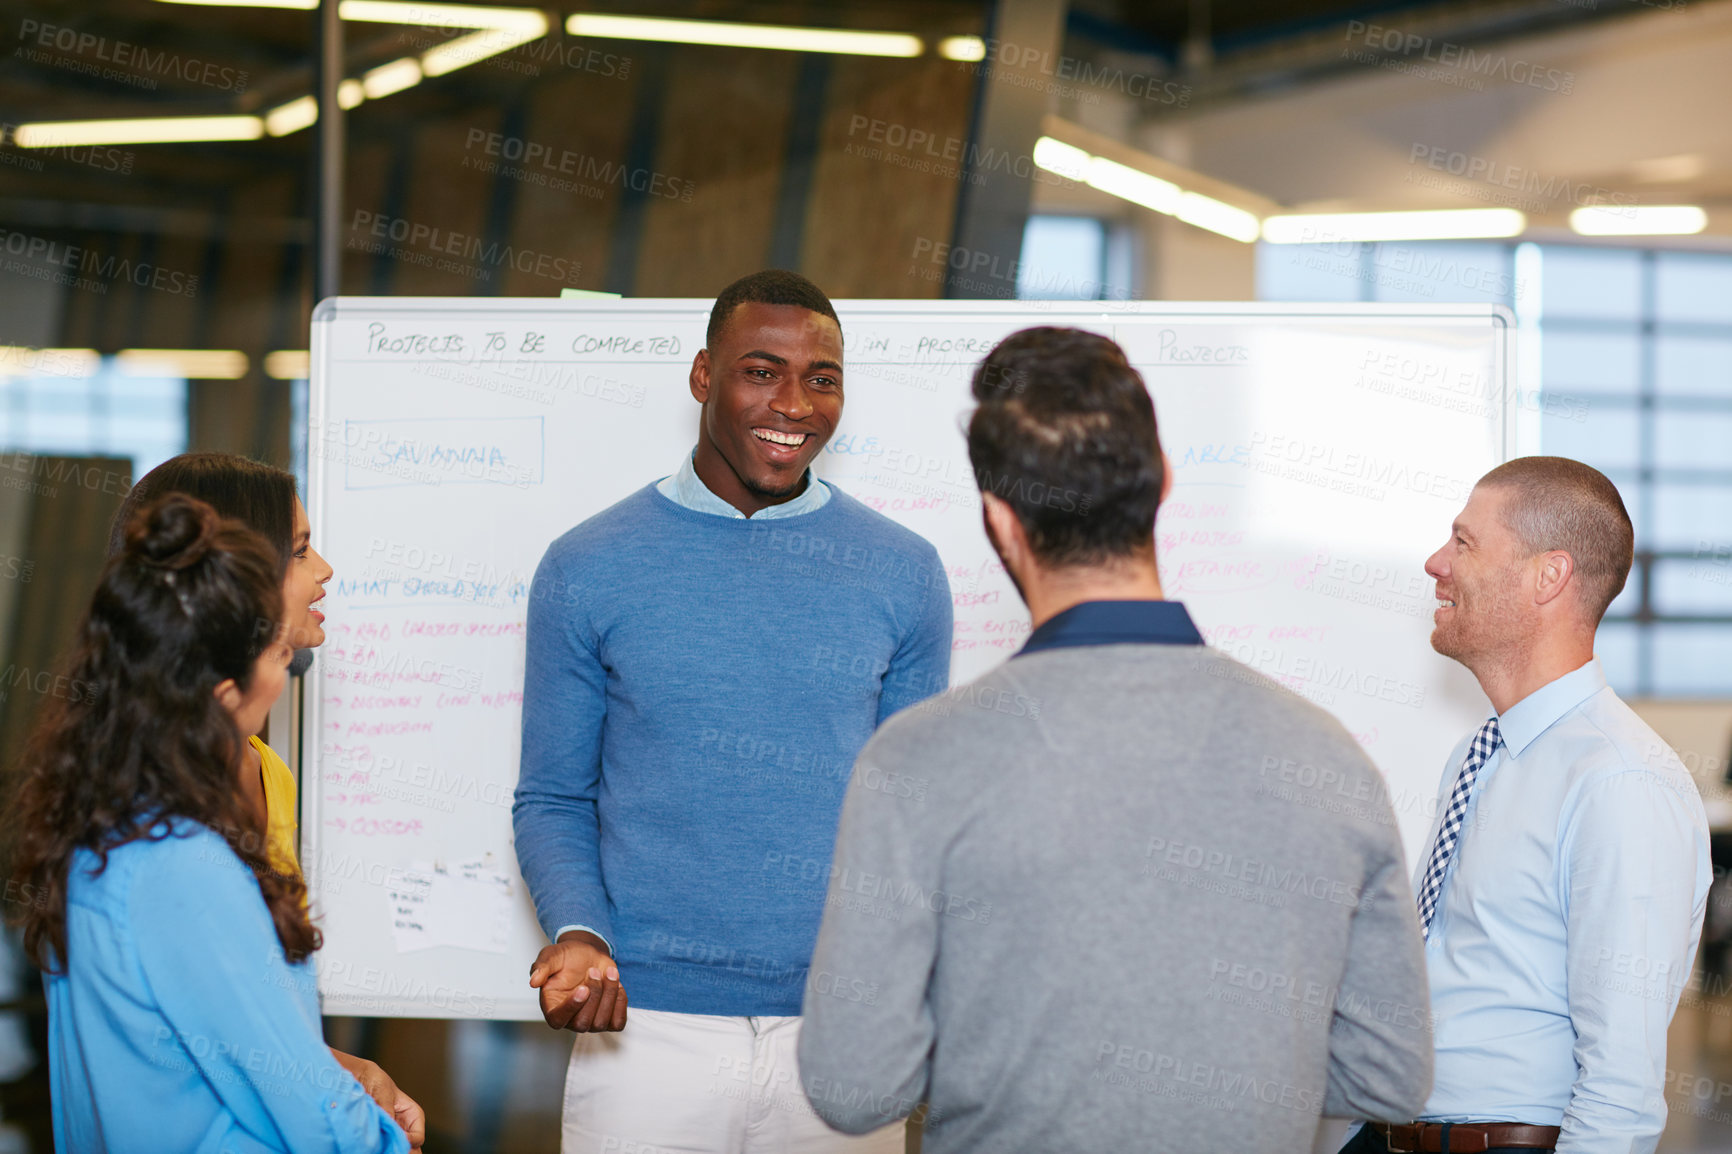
(1485, 743)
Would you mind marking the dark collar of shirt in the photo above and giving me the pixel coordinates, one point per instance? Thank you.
(1115, 623)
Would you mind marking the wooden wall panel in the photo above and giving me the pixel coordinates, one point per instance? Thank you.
(245, 301)
(72, 503)
(869, 211)
(242, 309)
(82, 313)
(174, 296)
(250, 417)
(443, 195)
(366, 177)
(724, 129)
(566, 209)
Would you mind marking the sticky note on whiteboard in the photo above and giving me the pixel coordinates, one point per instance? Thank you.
(467, 905)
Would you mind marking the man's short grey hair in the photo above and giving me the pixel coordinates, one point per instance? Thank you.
(1557, 503)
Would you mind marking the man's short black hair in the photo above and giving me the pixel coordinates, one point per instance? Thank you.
(773, 286)
(1065, 435)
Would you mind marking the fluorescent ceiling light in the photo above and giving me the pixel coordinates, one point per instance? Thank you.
(1443, 224)
(726, 35)
(197, 364)
(292, 117)
(1146, 189)
(962, 48)
(500, 29)
(304, 5)
(467, 50)
(399, 12)
(1218, 216)
(146, 130)
(288, 364)
(1065, 159)
(1133, 185)
(392, 77)
(1638, 220)
(441, 15)
(24, 361)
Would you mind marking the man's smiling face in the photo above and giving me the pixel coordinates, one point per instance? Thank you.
(1485, 607)
(771, 388)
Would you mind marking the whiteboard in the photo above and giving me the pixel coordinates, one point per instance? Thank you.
(1319, 455)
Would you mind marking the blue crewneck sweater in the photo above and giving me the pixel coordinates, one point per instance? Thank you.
(695, 692)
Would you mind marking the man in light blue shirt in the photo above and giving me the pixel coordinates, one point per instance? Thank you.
(1562, 891)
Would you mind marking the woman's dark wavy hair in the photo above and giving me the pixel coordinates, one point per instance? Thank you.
(257, 495)
(190, 600)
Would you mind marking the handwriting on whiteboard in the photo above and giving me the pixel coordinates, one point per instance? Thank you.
(444, 451)
(476, 344)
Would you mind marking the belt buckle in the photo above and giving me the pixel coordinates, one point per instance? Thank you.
(1388, 1130)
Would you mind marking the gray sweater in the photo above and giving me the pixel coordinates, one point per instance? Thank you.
(1116, 897)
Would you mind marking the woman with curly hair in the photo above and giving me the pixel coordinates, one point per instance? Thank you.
(263, 499)
(182, 1012)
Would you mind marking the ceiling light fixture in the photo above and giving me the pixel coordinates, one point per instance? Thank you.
(193, 364)
(1638, 220)
(715, 32)
(441, 15)
(433, 15)
(392, 77)
(1218, 216)
(288, 364)
(292, 117)
(1145, 189)
(142, 130)
(1441, 224)
(303, 5)
(1133, 185)
(24, 361)
(478, 46)
(969, 48)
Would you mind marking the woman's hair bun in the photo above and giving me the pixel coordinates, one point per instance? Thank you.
(173, 532)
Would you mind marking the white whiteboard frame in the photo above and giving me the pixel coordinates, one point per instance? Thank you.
(319, 470)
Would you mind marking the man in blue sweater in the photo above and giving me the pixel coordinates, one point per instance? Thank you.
(705, 659)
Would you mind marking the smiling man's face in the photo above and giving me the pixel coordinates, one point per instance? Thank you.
(1483, 576)
(771, 388)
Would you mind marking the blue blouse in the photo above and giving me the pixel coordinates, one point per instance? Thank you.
(179, 1024)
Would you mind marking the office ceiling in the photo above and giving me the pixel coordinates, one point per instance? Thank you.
(247, 60)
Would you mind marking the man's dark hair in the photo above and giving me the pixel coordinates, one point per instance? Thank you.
(773, 286)
(1065, 435)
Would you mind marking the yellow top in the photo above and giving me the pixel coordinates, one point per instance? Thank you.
(281, 830)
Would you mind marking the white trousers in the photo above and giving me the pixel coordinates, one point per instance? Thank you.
(698, 1084)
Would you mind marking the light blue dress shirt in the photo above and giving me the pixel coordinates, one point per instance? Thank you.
(1568, 923)
(687, 488)
(180, 1028)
